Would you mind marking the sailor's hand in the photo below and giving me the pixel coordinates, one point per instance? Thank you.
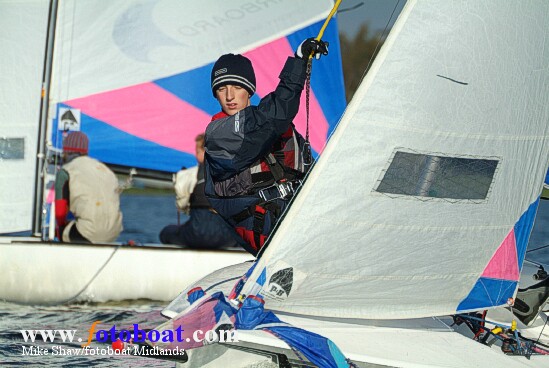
(311, 47)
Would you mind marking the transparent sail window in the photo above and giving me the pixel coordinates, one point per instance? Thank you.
(433, 176)
(12, 148)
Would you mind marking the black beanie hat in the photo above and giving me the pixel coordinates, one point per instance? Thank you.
(233, 69)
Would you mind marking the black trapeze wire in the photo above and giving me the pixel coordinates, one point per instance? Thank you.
(540, 248)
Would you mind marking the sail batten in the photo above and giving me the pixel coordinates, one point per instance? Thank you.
(412, 209)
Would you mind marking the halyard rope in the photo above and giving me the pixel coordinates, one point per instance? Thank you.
(66, 301)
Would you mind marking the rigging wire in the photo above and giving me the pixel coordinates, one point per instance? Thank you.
(307, 156)
(382, 35)
(533, 250)
(541, 332)
(351, 8)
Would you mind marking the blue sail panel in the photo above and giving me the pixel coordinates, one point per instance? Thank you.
(153, 124)
(488, 293)
(523, 229)
(113, 146)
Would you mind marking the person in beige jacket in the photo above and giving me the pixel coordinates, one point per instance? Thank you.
(87, 202)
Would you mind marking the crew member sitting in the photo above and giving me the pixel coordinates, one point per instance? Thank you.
(87, 203)
(205, 228)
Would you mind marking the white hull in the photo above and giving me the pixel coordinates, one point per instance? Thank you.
(423, 342)
(426, 342)
(43, 273)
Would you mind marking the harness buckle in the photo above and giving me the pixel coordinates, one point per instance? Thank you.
(279, 190)
(307, 156)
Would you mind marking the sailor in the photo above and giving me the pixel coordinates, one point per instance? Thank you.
(87, 203)
(254, 155)
(205, 228)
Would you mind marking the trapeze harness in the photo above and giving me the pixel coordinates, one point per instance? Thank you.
(263, 190)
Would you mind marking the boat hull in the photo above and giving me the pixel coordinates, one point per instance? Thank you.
(50, 273)
(425, 342)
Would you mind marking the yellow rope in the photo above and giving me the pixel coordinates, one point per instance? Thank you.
(307, 156)
(334, 9)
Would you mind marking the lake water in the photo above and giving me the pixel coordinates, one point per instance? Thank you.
(144, 217)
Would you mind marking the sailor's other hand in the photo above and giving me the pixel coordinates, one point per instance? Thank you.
(311, 47)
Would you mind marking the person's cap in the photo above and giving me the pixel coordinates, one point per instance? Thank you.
(233, 69)
(76, 142)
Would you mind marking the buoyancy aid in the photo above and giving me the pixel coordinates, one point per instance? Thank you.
(253, 200)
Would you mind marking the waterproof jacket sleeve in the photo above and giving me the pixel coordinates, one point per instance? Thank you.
(235, 142)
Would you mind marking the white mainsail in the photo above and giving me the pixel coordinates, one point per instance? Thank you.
(24, 29)
(412, 208)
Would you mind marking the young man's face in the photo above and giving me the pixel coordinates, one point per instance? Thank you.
(232, 98)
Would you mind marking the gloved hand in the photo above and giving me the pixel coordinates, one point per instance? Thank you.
(310, 46)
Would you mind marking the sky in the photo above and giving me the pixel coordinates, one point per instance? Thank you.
(376, 13)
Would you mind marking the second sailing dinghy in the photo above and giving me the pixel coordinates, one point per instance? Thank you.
(410, 225)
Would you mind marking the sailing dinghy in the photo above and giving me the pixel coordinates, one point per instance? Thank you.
(418, 227)
(134, 76)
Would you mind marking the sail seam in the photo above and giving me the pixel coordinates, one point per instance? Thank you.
(391, 277)
(431, 132)
(362, 225)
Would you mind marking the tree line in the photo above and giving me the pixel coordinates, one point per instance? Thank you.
(357, 54)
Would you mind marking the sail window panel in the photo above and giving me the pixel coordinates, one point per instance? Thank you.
(12, 148)
(436, 176)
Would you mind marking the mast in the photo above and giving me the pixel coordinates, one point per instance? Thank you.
(44, 105)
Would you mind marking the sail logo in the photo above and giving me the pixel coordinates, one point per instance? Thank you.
(69, 119)
(280, 284)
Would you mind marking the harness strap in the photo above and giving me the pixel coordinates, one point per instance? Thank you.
(259, 223)
(242, 215)
(262, 178)
(275, 166)
(258, 212)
